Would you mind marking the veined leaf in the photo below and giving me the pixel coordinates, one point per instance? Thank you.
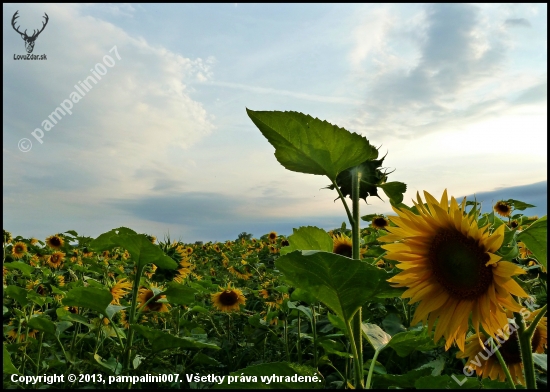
(308, 238)
(535, 237)
(139, 246)
(89, 297)
(341, 283)
(308, 145)
(161, 340)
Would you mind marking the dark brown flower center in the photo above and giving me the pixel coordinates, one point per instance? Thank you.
(380, 222)
(343, 249)
(19, 249)
(55, 241)
(153, 305)
(510, 348)
(229, 298)
(503, 208)
(458, 263)
(284, 243)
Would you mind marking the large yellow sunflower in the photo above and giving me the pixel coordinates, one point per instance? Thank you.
(228, 299)
(54, 241)
(119, 290)
(146, 294)
(19, 250)
(490, 367)
(450, 266)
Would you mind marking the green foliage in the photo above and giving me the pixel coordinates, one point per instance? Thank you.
(535, 237)
(341, 283)
(308, 145)
(308, 238)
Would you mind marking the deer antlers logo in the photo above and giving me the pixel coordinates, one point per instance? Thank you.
(29, 40)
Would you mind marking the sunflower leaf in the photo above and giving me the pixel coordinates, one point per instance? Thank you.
(308, 145)
(161, 340)
(535, 237)
(140, 247)
(519, 205)
(341, 283)
(308, 238)
(394, 190)
(9, 368)
(89, 297)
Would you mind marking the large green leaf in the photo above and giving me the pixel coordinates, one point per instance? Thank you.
(341, 283)
(17, 293)
(161, 340)
(535, 237)
(177, 293)
(277, 375)
(404, 343)
(8, 365)
(308, 145)
(407, 380)
(89, 297)
(375, 335)
(42, 324)
(308, 238)
(140, 247)
(26, 269)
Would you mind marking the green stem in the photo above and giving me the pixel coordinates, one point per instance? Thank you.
(371, 368)
(299, 343)
(358, 371)
(39, 353)
(350, 216)
(524, 336)
(314, 329)
(356, 248)
(133, 314)
(503, 365)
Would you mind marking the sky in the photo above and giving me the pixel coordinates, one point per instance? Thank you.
(159, 140)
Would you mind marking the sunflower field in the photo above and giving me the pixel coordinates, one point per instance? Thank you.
(436, 295)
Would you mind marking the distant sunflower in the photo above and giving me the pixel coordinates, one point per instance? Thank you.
(146, 294)
(509, 349)
(19, 250)
(342, 245)
(503, 208)
(54, 241)
(523, 251)
(264, 293)
(450, 266)
(34, 241)
(272, 236)
(228, 299)
(60, 280)
(119, 290)
(55, 260)
(514, 224)
(284, 243)
(379, 222)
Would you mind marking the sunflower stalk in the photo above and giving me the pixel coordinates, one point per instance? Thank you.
(525, 335)
(133, 314)
(357, 318)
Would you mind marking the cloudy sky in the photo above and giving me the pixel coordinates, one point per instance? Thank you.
(456, 94)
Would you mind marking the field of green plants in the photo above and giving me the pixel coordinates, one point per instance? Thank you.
(436, 295)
